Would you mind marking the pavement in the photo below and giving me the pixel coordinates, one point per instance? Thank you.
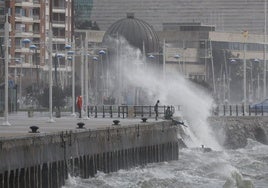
(20, 123)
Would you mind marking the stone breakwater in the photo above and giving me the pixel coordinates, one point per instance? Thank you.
(233, 132)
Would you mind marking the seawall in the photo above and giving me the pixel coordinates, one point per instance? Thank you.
(233, 131)
(45, 160)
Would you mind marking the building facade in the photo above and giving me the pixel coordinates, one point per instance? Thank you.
(30, 22)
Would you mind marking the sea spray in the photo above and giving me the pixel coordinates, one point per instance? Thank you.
(170, 89)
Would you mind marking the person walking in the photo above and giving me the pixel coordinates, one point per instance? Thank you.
(156, 109)
(79, 105)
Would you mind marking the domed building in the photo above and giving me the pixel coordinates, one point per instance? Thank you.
(137, 32)
(122, 60)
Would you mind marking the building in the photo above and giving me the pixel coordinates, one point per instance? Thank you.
(217, 58)
(30, 22)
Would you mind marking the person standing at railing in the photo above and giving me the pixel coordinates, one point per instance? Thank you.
(156, 109)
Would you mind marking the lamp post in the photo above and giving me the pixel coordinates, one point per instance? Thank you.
(245, 35)
(86, 77)
(101, 53)
(51, 120)
(177, 57)
(71, 58)
(67, 47)
(6, 70)
(33, 48)
(95, 59)
(265, 49)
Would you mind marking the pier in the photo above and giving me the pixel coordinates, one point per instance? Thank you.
(45, 159)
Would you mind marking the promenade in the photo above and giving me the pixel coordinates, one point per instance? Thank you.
(20, 123)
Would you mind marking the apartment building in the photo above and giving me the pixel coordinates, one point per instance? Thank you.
(30, 22)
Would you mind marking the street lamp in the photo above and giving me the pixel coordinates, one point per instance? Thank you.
(6, 70)
(71, 58)
(177, 57)
(51, 120)
(19, 61)
(33, 48)
(101, 53)
(95, 59)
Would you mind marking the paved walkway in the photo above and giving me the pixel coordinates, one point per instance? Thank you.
(20, 123)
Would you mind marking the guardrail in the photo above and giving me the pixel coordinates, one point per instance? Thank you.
(239, 110)
(125, 111)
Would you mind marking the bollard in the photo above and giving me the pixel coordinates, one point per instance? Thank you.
(116, 122)
(231, 112)
(80, 125)
(144, 120)
(34, 129)
(103, 112)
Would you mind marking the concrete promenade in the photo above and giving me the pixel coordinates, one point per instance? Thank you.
(20, 123)
(45, 159)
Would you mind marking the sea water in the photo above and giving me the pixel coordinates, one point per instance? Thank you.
(241, 168)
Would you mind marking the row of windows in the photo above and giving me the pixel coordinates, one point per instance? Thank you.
(238, 46)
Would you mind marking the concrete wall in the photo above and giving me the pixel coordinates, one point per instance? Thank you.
(45, 160)
(233, 132)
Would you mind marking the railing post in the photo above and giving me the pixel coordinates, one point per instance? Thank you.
(96, 111)
(231, 110)
(249, 110)
(123, 111)
(141, 111)
(126, 111)
(150, 111)
(118, 111)
(243, 110)
(256, 112)
(103, 112)
(135, 111)
(262, 110)
(111, 111)
(236, 109)
(223, 110)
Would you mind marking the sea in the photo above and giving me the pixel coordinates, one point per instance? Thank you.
(241, 168)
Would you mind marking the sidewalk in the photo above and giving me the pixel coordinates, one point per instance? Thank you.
(20, 123)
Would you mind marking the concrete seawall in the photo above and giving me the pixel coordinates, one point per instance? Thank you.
(233, 132)
(44, 160)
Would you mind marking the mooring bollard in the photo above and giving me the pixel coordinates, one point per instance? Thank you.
(144, 120)
(116, 122)
(34, 129)
(80, 125)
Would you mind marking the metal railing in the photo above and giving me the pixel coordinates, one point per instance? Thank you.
(126, 111)
(239, 110)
